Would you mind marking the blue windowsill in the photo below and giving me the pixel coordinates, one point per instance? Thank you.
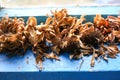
(17, 67)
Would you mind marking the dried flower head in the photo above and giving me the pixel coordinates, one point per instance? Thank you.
(61, 33)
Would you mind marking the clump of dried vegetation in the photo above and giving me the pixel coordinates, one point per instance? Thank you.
(61, 33)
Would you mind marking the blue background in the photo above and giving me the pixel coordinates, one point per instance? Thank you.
(24, 67)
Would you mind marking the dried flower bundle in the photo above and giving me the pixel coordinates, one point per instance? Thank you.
(61, 33)
(12, 38)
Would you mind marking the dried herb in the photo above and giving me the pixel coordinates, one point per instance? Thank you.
(12, 38)
(61, 33)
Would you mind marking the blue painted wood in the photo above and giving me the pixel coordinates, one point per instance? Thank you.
(18, 64)
(61, 68)
(60, 76)
(42, 11)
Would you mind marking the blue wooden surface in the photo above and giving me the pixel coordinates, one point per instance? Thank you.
(27, 62)
(60, 76)
(109, 10)
(60, 68)
(20, 64)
